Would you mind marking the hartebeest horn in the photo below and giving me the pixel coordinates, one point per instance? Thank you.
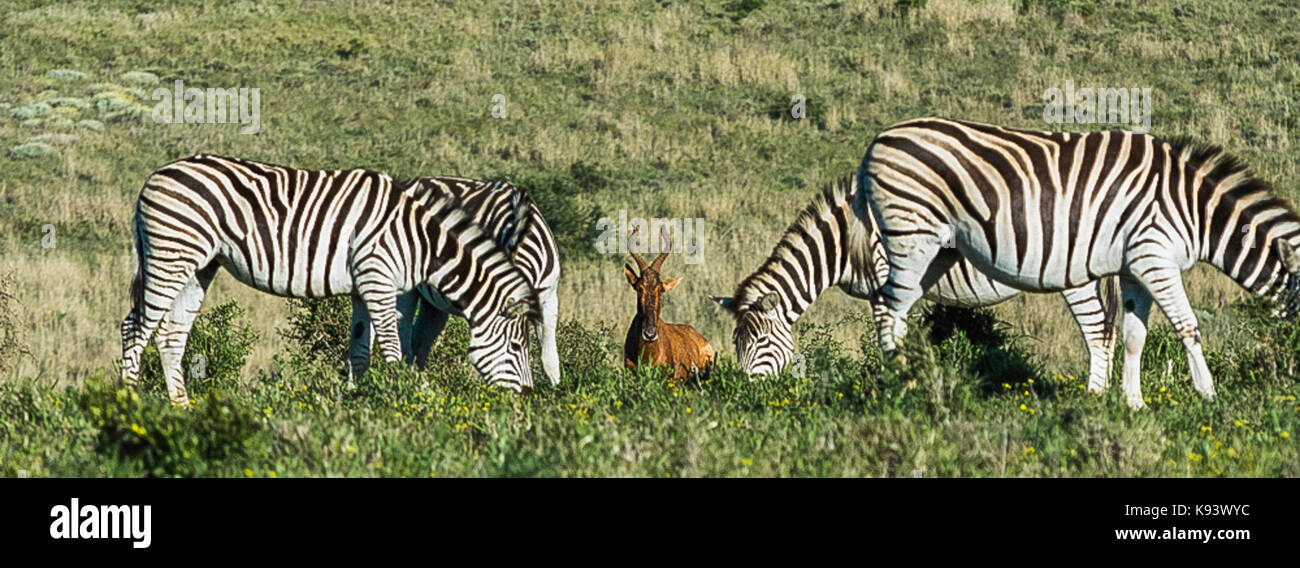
(660, 261)
(631, 242)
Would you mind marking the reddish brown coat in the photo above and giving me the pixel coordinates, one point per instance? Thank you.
(650, 340)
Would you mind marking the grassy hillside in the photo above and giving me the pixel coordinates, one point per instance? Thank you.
(660, 109)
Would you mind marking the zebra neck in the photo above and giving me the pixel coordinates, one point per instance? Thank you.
(796, 283)
(811, 256)
(1251, 258)
(1240, 219)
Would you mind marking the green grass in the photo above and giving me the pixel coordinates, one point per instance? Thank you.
(971, 405)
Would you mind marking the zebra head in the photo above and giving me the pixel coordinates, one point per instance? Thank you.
(1288, 294)
(764, 345)
(498, 347)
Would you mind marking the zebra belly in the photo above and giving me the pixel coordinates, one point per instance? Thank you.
(291, 280)
(1034, 271)
(965, 286)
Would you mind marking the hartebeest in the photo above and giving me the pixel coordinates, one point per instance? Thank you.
(649, 339)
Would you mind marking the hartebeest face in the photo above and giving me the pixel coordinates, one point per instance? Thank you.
(649, 290)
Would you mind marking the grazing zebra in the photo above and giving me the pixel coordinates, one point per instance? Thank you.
(829, 244)
(1047, 211)
(304, 233)
(500, 209)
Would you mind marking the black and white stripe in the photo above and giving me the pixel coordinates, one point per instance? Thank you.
(1042, 211)
(832, 244)
(507, 213)
(305, 233)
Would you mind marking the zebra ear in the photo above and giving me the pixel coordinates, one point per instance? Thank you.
(514, 309)
(1290, 258)
(726, 303)
(768, 302)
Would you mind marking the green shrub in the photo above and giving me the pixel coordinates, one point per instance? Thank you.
(737, 10)
(139, 78)
(32, 150)
(581, 348)
(30, 110)
(92, 125)
(1267, 348)
(166, 440)
(976, 340)
(318, 330)
(66, 75)
(214, 355)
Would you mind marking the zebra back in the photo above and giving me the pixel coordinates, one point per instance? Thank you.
(507, 213)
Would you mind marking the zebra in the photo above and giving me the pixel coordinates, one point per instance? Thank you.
(310, 233)
(500, 209)
(830, 243)
(1041, 211)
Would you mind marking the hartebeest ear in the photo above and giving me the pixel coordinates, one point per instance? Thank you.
(631, 276)
(1290, 258)
(671, 283)
(726, 303)
(768, 302)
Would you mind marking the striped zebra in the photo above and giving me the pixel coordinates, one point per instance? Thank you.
(830, 243)
(1043, 211)
(500, 209)
(303, 234)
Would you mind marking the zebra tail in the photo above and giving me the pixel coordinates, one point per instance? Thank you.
(1112, 305)
(866, 251)
(137, 275)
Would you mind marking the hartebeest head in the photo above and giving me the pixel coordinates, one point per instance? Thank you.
(649, 288)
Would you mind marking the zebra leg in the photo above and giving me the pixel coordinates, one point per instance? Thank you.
(429, 324)
(406, 304)
(174, 332)
(359, 346)
(381, 304)
(546, 334)
(160, 284)
(911, 258)
(1098, 332)
(1166, 285)
(1137, 306)
(133, 341)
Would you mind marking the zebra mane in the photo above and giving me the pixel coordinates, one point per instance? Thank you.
(824, 205)
(520, 208)
(1225, 165)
